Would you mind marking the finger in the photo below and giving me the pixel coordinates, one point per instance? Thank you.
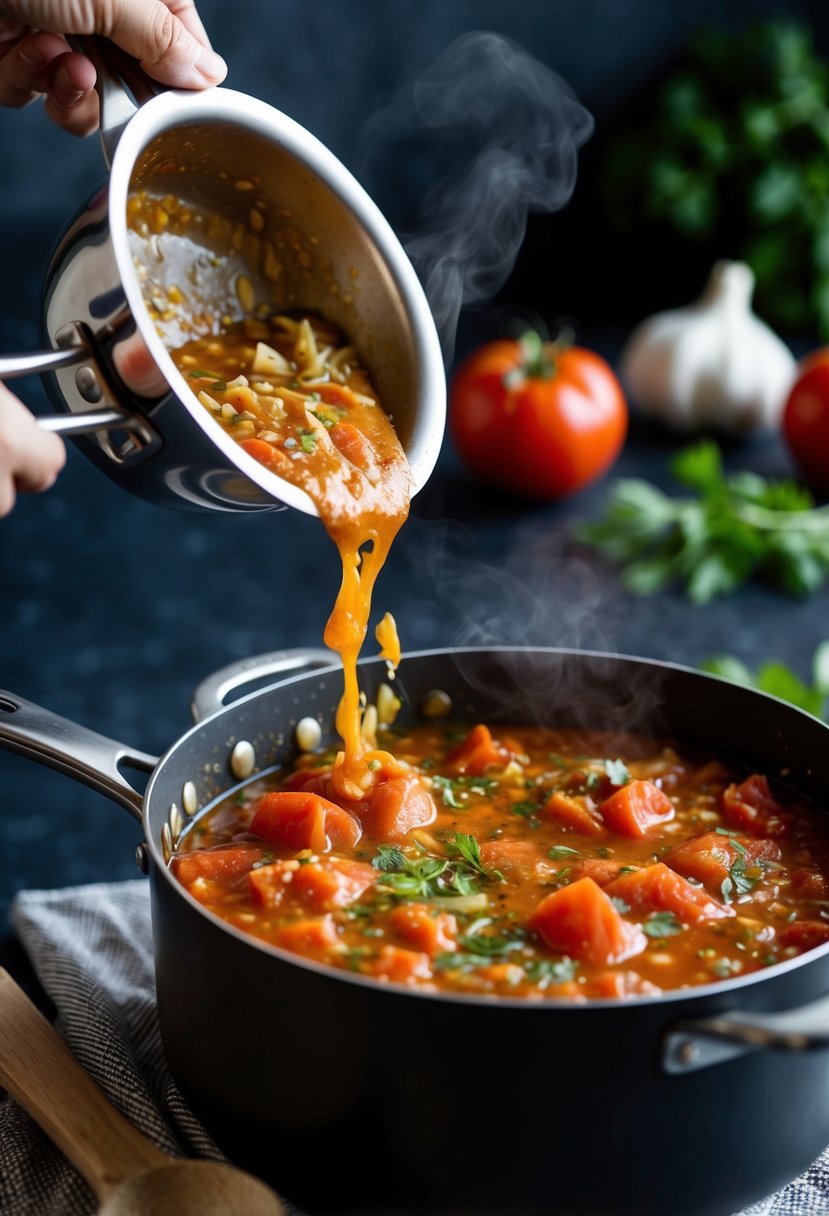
(26, 69)
(30, 458)
(147, 29)
(188, 15)
(71, 101)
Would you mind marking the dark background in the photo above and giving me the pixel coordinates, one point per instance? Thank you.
(111, 609)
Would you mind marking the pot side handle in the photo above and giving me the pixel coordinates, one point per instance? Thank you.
(211, 694)
(689, 1046)
(56, 742)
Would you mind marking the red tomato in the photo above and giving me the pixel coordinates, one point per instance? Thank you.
(535, 420)
(806, 420)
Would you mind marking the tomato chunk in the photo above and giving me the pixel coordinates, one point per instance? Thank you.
(804, 934)
(395, 963)
(752, 807)
(636, 808)
(315, 935)
(423, 930)
(709, 858)
(658, 888)
(581, 921)
(601, 870)
(397, 806)
(521, 858)
(225, 861)
(576, 812)
(811, 884)
(297, 819)
(333, 882)
(478, 752)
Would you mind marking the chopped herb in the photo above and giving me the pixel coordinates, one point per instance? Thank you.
(591, 780)
(603, 852)
(628, 869)
(619, 904)
(617, 772)
(429, 877)
(447, 792)
(491, 944)
(544, 971)
(739, 880)
(525, 809)
(769, 960)
(308, 440)
(389, 858)
(559, 851)
(661, 924)
(459, 960)
(724, 967)
(326, 422)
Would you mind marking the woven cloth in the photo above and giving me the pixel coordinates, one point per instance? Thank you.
(91, 948)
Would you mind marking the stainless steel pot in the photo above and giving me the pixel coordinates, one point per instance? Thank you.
(352, 1096)
(146, 429)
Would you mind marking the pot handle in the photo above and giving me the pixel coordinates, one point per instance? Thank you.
(121, 86)
(211, 694)
(56, 742)
(689, 1046)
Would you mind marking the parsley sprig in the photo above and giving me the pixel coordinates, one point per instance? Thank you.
(429, 877)
(736, 527)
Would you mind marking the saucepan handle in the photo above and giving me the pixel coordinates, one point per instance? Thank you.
(121, 86)
(211, 694)
(58, 743)
(692, 1045)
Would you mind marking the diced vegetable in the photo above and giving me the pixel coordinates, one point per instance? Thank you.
(262, 451)
(225, 861)
(711, 858)
(574, 811)
(295, 819)
(424, 931)
(658, 888)
(636, 808)
(331, 882)
(804, 934)
(315, 934)
(352, 444)
(397, 806)
(478, 752)
(395, 963)
(520, 857)
(751, 807)
(581, 921)
(601, 870)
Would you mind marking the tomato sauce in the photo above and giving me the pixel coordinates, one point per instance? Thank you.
(522, 862)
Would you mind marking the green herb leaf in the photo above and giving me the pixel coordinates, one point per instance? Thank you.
(617, 772)
(544, 971)
(661, 924)
(559, 851)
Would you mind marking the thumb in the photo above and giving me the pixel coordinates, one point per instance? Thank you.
(155, 32)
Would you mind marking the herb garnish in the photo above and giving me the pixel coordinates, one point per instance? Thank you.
(661, 924)
(736, 527)
(560, 851)
(430, 877)
(617, 772)
(307, 440)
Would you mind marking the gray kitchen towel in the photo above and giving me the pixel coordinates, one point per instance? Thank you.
(91, 948)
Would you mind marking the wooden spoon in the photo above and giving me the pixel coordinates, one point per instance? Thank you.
(130, 1176)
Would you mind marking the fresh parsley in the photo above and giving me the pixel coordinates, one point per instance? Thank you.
(736, 527)
(429, 877)
(617, 772)
(776, 678)
(559, 851)
(661, 924)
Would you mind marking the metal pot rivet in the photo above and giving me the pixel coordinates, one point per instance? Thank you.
(688, 1053)
(189, 798)
(142, 859)
(308, 734)
(166, 841)
(436, 704)
(242, 759)
(176, 821)
(87, 385)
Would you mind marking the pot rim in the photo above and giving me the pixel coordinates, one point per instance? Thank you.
(682, 996)
(175, 108)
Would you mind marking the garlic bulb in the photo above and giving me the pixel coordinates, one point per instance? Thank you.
(713, 365)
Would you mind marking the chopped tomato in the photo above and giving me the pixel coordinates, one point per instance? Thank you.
(397, 806)
(709, 858)
(523, 857)
(332, 882)
(401, 965)
(601, 870)
(317, 933)
(636, 808)
(225, 861)
(424, 929)
(804, 934)
(575, 811)
(811, 884)
(478, 752)
(352, 444)
(262, 451)
(658, 888)
(296, 819)
(622, 983)
(751, 807)
(581, 921)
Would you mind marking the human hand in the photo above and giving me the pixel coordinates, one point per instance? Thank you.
(165, 36)
(30, 458)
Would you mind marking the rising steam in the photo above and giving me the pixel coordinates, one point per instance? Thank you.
(490, 135)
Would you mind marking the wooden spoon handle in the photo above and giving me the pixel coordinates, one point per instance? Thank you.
(39, 1072)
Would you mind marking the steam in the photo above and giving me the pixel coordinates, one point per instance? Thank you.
(494, 133)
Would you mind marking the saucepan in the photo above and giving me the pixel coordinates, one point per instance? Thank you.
(352, 1096)
(293, 224)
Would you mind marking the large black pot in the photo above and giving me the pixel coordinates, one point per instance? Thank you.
(351, 1096)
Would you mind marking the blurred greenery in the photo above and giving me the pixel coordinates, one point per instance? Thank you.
(737, 147)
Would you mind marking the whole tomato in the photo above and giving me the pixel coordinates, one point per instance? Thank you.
(537, 420)
(806, 420)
